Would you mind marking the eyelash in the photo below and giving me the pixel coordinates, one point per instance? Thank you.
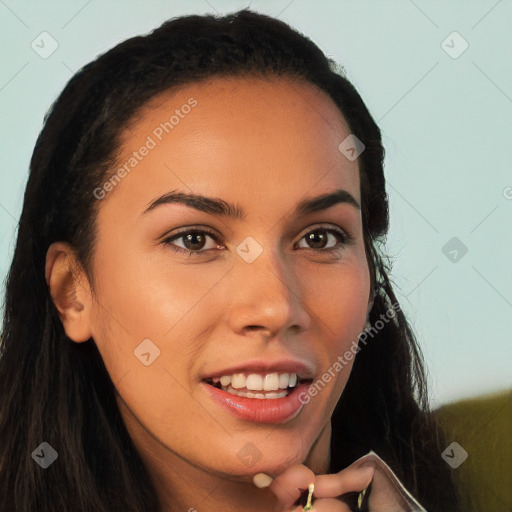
(343, 237)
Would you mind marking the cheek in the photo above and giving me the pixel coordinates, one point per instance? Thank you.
(147, 299)
(352, 299)
(133, 304)
(339, 304)
(339, 300)
(140, 298)
(145, 309)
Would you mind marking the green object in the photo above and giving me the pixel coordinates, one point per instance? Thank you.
(482, 427)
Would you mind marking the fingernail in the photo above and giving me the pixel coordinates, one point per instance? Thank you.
(262, 480)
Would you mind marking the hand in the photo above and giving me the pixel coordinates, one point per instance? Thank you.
(290, 484)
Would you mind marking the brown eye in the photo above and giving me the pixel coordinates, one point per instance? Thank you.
(194, 241)
(319, 239)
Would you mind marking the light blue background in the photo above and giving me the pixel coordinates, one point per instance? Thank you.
(447, 127)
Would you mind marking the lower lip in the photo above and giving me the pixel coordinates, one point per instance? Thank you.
(265, 410)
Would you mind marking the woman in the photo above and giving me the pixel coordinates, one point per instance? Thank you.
(197, 260)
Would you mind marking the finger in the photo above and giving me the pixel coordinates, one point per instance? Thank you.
(347, 480)
(290, 484)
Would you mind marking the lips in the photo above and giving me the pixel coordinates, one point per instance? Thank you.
(275, 410)
(260, 391)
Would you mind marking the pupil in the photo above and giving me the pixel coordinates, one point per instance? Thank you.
(313, 237)
(190, 237)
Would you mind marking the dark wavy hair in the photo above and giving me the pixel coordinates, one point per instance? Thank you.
(60, 392)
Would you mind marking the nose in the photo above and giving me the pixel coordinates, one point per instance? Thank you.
(268, 299)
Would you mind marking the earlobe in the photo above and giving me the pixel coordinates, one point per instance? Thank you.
(70, 291)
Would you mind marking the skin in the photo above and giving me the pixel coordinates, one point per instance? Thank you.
(264, 144)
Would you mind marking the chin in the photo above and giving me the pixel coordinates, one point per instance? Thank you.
(270, 461)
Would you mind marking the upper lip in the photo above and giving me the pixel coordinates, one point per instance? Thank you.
(303, 370)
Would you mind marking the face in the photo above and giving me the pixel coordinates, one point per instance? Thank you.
(185, 296)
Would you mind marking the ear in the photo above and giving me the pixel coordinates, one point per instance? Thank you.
(70, 291)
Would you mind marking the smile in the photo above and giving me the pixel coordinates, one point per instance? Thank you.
(267, 386)
(259, 397)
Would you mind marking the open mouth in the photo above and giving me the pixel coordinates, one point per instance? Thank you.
(260, 396)
(268, 386)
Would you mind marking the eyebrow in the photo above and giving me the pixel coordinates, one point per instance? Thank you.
(220, 207)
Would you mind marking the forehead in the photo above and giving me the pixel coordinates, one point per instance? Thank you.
(252, 105)
(250, 138)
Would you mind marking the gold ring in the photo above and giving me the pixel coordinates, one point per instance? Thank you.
(308, 505)
(360, 498)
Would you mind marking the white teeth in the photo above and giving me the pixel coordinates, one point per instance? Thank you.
(275, 395)
(258, 382)
(254, 382)
(259, 396)
(271, 382)
(225, 380)
(238, 380)
(284, 380)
